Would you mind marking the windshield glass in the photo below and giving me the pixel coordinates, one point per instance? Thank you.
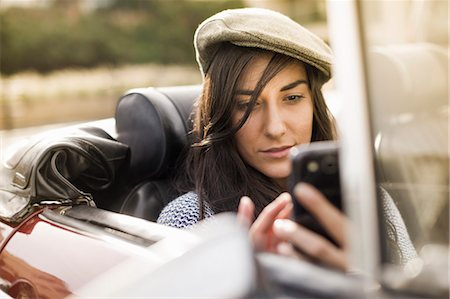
(407, 69)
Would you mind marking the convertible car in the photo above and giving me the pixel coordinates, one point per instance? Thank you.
(81, 201)
(78, 204)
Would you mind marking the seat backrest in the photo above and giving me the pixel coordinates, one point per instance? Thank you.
(154, 123)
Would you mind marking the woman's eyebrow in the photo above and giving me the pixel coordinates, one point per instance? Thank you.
(244, 92)
(284, 88)
(293, 84)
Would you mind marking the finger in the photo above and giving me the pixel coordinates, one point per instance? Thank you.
(246, 210)
(312, 244)
(328, 215)
(286, 212)
(269, 213)
(286, 249)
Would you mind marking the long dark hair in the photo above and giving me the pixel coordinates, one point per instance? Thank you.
(213, 167)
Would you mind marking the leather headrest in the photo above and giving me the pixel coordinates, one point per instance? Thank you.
(154, 123)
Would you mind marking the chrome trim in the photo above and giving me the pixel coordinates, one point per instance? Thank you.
(103, 224)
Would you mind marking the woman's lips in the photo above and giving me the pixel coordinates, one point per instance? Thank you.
(278, 152)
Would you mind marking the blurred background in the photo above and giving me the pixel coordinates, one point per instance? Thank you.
(70, 60)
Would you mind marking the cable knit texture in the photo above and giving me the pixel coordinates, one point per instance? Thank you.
(183, 211)
(396, 231)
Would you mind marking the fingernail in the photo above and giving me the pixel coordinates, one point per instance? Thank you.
(244, 199)
(303, 190)
(285, 197)
(283, 226)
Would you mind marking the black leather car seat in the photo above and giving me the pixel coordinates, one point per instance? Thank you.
(154, 123)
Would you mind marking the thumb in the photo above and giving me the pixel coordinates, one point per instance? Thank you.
(246, 211)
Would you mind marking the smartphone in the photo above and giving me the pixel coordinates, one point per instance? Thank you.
(317, 164)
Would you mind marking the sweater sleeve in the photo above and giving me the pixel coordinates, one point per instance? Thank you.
(183, 211)
(402, 249)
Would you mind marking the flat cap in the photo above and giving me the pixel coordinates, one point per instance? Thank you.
(260, 28)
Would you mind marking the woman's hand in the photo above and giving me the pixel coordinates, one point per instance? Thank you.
(261, 231)
(273, 231)
(311, 245)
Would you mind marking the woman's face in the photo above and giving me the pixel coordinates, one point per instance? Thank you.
(281, 118)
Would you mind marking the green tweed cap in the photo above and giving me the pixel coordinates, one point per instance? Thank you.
(260, 28)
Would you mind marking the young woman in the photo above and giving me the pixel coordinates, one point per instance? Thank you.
(263, 75)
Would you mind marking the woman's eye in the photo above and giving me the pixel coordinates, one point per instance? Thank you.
(294, 98)
(242, 105)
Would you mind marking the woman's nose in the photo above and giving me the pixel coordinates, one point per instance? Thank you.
(275, 124)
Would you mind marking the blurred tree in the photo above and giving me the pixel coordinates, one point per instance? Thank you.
(134, 31)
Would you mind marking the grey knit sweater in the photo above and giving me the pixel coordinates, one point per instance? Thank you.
(183, 212)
